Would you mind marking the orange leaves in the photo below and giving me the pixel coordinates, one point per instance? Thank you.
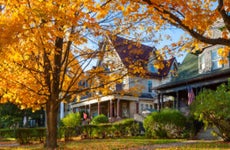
(225, 34)
(224, 53)
(158, 64)
(102, 13)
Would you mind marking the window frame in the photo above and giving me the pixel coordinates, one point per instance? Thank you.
(215, 59)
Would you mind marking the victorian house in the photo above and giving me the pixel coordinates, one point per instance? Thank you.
(137, 84)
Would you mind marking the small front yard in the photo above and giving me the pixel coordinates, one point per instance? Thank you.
(124, 143)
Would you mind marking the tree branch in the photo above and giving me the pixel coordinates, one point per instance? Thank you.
(224, 14)
(176, 21)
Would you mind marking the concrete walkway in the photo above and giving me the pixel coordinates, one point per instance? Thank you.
(8, 144)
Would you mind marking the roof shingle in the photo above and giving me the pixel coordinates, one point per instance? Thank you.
(131, 52)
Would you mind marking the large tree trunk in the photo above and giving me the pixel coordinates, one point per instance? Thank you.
(52, 105)
(51, 123)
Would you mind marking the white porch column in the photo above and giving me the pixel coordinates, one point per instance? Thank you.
(62, 110)
(110, 108)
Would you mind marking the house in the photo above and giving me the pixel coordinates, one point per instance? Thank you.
(134, 94)
(198, 70)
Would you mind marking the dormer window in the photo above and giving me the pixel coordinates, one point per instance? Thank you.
(215, 60)
(173, 70)
(152, 59)
(209, 60)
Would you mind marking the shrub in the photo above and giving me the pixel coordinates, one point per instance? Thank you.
(99, 119)
(127, 127)
(72, 120)
(27, 135)
(68, 126)
(167, 123)
(87, 131)
(212, 108)
(7, 133)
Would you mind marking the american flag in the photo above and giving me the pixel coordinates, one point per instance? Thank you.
(85, 116)
(191, 95)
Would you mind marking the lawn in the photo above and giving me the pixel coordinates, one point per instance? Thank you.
(129, 143)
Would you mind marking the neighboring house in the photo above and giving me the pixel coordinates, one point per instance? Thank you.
(123, 56)
(197, 71)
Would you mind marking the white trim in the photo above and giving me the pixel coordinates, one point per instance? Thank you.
(104, 99)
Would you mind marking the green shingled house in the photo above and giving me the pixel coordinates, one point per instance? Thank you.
(197, 71)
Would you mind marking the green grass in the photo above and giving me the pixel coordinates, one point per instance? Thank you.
(128, 143)
(201, 146)
(114, 144)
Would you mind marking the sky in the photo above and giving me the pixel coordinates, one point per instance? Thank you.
(175, 34)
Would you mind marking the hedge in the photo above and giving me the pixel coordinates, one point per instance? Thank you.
(127, 127)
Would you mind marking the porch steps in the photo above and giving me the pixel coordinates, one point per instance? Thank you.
(139, 118)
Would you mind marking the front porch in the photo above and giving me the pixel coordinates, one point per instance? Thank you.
(115, 107)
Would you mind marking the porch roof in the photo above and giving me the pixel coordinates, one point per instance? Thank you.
(93, 100)
(188, 75)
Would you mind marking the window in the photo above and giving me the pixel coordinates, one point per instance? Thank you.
(173, 70)
(151, 68)
(146, 106)
(202, 62)
(151, 106)
(150, 85)
(142, 107)
(119, 86)
(215, 60)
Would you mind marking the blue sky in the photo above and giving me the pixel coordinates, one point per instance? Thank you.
(174, 33)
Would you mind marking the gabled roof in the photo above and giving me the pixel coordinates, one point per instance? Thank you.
(131, 52)
(129, 49)
(166, 70)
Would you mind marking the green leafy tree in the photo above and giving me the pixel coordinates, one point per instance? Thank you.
(212, 107)
(12, 116)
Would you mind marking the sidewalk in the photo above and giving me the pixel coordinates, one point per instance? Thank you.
(8, 144)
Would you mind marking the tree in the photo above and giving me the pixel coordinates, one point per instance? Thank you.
(44, 56)
(212, 107)
(197, 18)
